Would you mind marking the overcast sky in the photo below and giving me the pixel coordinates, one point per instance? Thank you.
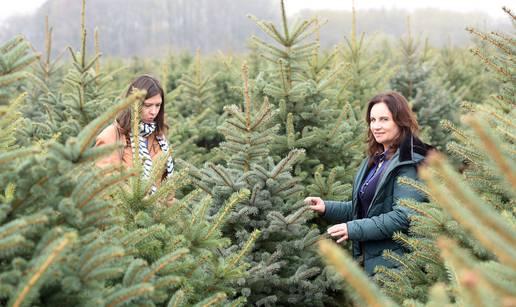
(491, 7)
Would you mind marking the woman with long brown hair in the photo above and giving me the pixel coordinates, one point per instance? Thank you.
(373, 215)
(152, 128)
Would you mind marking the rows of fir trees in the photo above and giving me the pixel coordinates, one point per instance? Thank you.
(74, 234)
(462, 243)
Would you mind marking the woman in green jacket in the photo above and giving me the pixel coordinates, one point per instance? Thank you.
(372, 216)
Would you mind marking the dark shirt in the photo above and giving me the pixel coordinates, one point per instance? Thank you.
(368, 186)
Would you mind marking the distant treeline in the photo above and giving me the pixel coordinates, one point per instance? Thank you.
(154, 27)
(439, 26)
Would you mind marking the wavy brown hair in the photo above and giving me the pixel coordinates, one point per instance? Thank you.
(402, 116)
(153, 88)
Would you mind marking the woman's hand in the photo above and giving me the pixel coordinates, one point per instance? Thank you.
(316, 204)
(339, 230)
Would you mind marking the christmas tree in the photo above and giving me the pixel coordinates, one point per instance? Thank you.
(431, 100)
(303, 84)
(59, 111)
(75, 235)
(284, 269)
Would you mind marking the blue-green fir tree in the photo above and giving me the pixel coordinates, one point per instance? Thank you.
(63, 109)
(430, 99)
(15, 57)
(302, 83)
(72, 234)
(284, 269)
(196, 113)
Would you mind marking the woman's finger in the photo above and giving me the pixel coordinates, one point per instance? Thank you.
(342, 239)
(338, 234)
(335, 228)
(337, 231)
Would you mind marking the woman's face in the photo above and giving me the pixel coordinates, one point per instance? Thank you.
(382, 125)
(150, 108)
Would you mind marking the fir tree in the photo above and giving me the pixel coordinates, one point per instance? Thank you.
(283, 269)
(52, 250)
(303, 85)
(82, 96)
(15, 56)
(64, 241)
(195, 114)
(464, 77)
(367, 72)
(183, 235)
(366, 75)
(47, 75)
(431, 100)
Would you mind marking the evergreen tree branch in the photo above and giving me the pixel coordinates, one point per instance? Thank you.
(178, 299)
(505, 166)
(50, 255)
(489, 39)
(365, 290)
(228, 206)
(164, 262)
(483, 223)
(212, 300)
(106, 184)
(293, 156)
(490, 63)
(245, 249)
(128, 294)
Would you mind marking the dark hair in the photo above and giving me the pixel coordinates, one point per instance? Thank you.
(402, 116)
(153, 88)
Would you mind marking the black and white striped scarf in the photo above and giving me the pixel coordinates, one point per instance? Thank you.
(145, 130)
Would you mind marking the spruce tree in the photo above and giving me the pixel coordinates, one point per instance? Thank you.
(430, 99)
(195, 114)
(15, 56)
(465, 78)
(46, 76)
(366, 74)
(284, 269)
(302, 84)
(64, 241)
(83, 94)
(52, 250)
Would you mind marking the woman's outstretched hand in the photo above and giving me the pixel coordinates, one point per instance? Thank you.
(339, 230)
(316, 204)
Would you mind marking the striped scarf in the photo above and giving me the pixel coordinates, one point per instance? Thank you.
(145, 130)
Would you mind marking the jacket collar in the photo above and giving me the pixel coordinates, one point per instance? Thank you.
(411, 150)
(411, 147)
